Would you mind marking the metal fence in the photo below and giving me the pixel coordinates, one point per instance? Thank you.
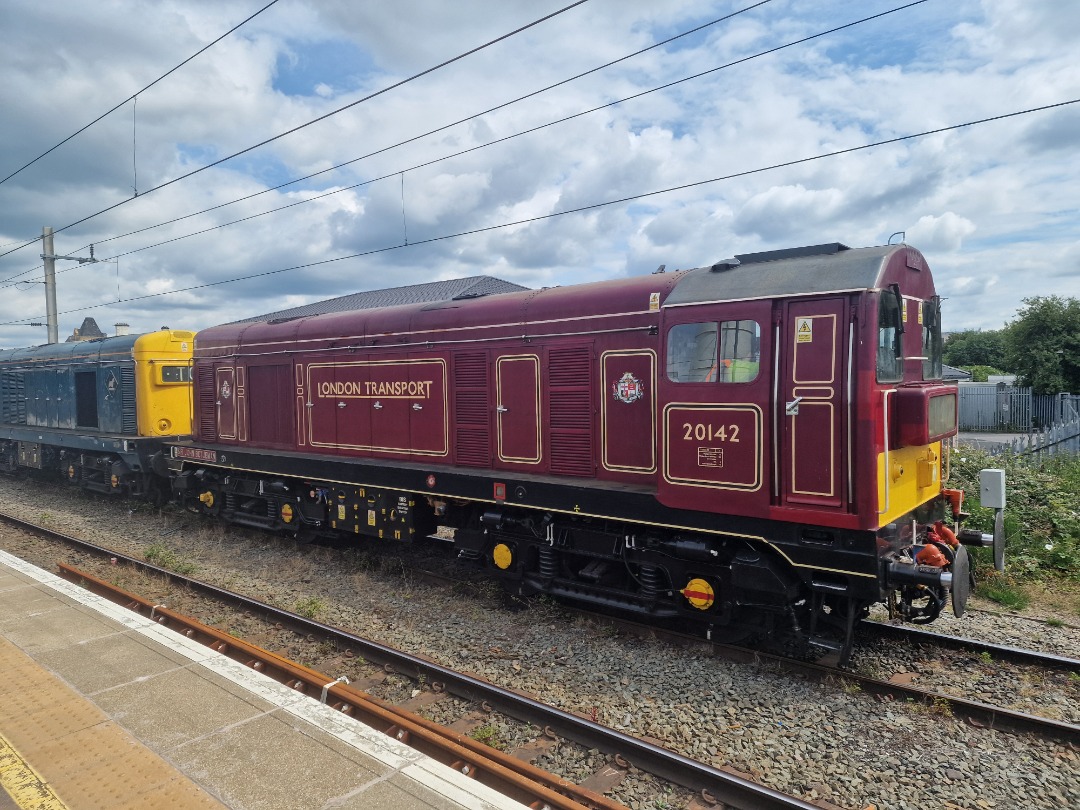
(1008, 409)
(1044, 424)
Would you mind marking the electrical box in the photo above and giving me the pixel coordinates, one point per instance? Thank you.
(992, 488)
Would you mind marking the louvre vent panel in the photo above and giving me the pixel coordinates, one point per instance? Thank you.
(472, 410)
(129, 418)
(473, 446)
(470, 370)
(571, 454)
(13, 398)
(570, 411)
(569, 367)
(207, 404)
(472, 407)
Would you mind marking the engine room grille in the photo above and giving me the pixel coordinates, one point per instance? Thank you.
(472, 429)
(129, 417)
(13, 398)
(207, 404)
(570, 411)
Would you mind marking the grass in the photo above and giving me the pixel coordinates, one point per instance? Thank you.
(164, 557)
(487, 734)
(312, 607)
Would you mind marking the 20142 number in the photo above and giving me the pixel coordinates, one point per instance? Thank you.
(699, 431)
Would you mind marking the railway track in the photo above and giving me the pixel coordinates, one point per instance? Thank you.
(977, 712)
(714, 787)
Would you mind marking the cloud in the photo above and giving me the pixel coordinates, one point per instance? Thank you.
(927, 67)
(940, 233)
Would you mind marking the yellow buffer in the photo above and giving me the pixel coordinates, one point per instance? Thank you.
(163, 382)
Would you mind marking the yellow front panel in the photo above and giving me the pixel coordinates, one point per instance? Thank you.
(913, 476)
(163, 382)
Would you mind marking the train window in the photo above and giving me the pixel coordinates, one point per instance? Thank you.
(740, 351)
(932, 347)
(890, 361)
(691, 352)
(693, 355)
(176, 374)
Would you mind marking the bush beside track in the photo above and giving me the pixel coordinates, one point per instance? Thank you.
(1042, 527)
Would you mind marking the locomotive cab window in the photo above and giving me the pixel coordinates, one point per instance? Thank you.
(729, 351)
(175, 374)
(932, 347)
(890, 360)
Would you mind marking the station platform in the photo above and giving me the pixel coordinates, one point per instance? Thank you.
(103, 709)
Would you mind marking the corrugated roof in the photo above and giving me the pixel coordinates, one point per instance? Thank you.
(451, 289)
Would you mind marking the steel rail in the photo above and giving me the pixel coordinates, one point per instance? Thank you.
(717, 785)
(999, 651)
(512, 777)
(994, 717)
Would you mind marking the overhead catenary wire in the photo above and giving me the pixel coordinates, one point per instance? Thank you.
(494, 142)
(577, 210)
(473, 117)
(134, 95)
(5, 283)
(316, 120)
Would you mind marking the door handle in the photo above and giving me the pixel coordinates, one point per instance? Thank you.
(500, 409)
(341, 404)
(792, 408)
(416, 406)
(377, 406)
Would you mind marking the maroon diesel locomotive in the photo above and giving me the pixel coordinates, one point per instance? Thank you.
(753, 446)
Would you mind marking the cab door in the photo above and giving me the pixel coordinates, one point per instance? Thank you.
(518, 432)
(225, 402)
(714, 389)
(815, 336)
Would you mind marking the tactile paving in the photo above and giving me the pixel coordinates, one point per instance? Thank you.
(84, 757)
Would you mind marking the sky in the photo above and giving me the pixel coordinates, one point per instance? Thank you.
(420, 178)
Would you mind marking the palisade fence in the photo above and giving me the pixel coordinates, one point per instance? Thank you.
(1046, 423)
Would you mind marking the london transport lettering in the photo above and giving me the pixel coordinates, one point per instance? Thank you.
(416, 389)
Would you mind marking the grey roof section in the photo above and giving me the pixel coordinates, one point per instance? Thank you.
(452, 289)
(815, 269)
(953, 373)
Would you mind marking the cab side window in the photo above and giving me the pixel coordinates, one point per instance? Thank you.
(729, 351)
(932, 346)
(890, 361)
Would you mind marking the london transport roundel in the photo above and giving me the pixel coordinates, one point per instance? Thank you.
(628, 388)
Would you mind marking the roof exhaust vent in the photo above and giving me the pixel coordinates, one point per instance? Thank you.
(726, 264)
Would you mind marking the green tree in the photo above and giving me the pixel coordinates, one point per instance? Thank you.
(976, 348)
(1043, 344)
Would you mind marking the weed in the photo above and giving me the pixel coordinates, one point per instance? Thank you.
(1074, 677)
(850, 687)
(941, 706)
(985, 657)
(164, 557)
(1004, 591)
(488, 735)
(312, 607)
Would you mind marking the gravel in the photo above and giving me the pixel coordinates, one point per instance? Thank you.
(816, 740)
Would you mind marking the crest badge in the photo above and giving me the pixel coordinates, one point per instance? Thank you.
(226, 390)
(628, 388)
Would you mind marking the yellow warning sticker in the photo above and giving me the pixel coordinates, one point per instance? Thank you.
(654, 302)
(903, 312)
(804, 330)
